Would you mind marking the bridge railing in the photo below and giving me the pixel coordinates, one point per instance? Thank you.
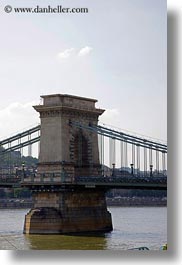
(44, 178)
(62, 178)
(5, 178)
(121, 179)
(57, 178)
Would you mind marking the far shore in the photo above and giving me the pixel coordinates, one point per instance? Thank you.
(117, 201)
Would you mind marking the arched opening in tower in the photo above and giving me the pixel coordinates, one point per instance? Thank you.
(81, 157)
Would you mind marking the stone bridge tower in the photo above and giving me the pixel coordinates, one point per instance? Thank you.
(66, 149)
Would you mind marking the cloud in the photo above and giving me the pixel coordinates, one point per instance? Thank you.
(16, 117)
(66, 53)
(84, 51)
(72, 51)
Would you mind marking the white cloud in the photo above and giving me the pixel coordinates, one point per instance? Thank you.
(16, 117)
(66, 53)
(84, 51)
(72, 51)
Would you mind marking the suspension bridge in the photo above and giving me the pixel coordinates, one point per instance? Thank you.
(141, 162)
(79, 160)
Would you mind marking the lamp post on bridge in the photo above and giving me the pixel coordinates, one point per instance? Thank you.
(23, 170)
(132, 168)
(151, 167)
(63, 172)
(113, 169)
(16, 171)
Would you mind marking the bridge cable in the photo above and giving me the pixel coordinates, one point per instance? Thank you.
(121, 154)
(138, 159)
(157, 161)
(133, 155)
(145, 161)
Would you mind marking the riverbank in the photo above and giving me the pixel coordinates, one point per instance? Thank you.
(137, 201)
(117, 201)
(15, 203)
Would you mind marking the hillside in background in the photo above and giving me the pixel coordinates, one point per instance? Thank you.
(14, 159)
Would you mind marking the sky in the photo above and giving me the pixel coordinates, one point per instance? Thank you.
(115, 53)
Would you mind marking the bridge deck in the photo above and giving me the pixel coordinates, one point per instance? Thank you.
(58, 182)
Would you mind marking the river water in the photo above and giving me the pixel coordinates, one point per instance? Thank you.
(133, 227)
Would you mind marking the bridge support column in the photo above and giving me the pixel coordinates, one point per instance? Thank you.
(69, 151)
(68, 212)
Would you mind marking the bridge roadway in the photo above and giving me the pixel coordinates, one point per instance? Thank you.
(57, 182)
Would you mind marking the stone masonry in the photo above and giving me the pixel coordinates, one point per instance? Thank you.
(67, 149)
(59, 145)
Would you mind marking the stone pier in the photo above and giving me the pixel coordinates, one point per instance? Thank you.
(68, 212)
(72, 152)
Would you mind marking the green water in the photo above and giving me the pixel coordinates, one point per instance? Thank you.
(133, 227)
